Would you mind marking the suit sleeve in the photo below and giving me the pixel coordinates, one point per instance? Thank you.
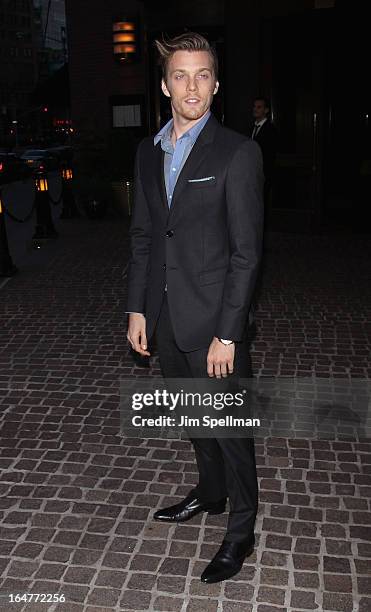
(270, 152)
(140, 242)
(244, 201)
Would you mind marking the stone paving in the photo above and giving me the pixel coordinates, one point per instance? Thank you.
(76, 498)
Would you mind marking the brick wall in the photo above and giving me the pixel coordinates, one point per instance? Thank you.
(94, 73)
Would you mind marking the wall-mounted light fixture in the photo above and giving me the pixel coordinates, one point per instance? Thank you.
(124, 40)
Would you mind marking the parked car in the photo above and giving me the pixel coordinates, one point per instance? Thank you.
(12, 168)
(40, 159)
(63, 152)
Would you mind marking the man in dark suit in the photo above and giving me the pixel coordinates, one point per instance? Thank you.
(265, 134)
(196, 237)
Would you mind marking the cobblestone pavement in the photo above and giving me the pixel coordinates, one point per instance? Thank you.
(76, 498)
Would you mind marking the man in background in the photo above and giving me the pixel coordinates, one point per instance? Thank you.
(265, 134)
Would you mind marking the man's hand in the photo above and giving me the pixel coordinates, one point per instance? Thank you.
(220, 359)
(137, 333)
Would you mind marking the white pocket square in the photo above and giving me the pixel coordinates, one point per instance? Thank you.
(201, 180)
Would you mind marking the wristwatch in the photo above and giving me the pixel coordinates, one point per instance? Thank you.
(226, 342)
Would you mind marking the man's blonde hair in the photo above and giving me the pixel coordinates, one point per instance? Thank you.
(189, 41)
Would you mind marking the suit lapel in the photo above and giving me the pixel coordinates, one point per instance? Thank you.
(159, 172)
(263, 129)
(196, 156)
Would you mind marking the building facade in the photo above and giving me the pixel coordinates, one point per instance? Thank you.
(18, 60)
(98, 81)
(33, 47)
(51, 16)
(290, 51)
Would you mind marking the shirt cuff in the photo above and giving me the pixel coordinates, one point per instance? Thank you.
(130, 312)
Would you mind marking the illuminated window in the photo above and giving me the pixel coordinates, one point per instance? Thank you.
(126, 116)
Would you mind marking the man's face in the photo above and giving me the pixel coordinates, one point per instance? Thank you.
(260, 111)
(190, 84)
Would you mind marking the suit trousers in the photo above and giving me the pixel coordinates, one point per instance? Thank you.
(226, 467)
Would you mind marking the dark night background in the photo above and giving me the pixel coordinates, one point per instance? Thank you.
(76, 496)
(310, 58)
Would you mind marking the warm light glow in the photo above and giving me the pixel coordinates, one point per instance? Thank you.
(41, 184)
(67, 174)
(124, 49)
(1, 206)
(127, 26)
(122, 37)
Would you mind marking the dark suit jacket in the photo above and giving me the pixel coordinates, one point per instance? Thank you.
(207, 247)
(267, 140)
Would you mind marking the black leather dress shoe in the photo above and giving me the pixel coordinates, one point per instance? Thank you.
(228, 561)
(186, 509)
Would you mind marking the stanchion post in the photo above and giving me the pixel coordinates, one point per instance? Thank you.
(7, 268)
(69, 208)
(44, 223)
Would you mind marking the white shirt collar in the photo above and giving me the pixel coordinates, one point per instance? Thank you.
(260, 123)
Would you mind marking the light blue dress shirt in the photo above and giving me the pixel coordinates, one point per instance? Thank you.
(175, 157)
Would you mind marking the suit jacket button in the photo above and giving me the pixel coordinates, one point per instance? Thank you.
(169, 234)
(164, 266)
